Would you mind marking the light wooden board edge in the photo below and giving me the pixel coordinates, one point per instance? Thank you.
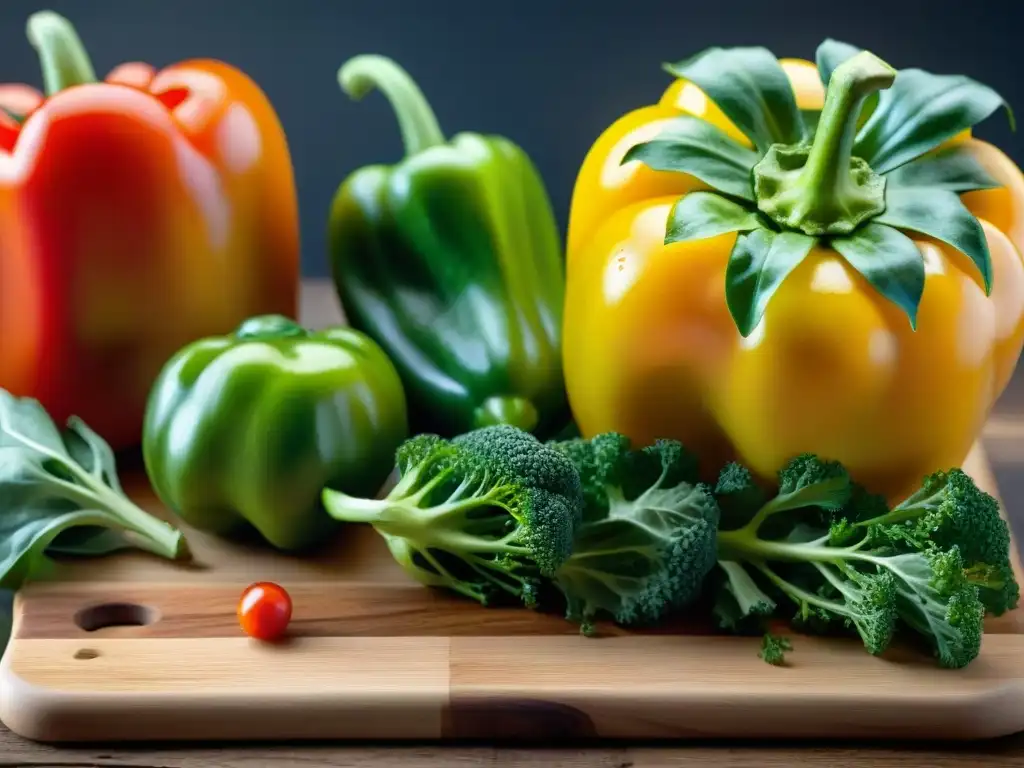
(542, 687)
(492, 688)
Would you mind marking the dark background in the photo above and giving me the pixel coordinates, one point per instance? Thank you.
(549, 75)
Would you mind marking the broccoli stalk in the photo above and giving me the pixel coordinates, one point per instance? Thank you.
(487, 514)
(839, 555)
(647, 540)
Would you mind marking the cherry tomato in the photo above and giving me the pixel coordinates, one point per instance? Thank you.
(264, 610)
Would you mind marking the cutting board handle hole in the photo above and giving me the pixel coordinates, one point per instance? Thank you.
(86, 653)
(106, 615)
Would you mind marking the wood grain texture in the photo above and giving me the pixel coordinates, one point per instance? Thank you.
(15, 752)
(373, 656)
(991, 754)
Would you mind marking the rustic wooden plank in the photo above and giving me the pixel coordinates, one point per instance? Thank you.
(998, 753)
(320, 609)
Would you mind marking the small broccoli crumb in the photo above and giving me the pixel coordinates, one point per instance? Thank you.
(774, 648)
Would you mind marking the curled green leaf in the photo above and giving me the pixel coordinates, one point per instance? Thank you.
(691, 145)
(918, 113)
(889, 261)
(92, 452)
(701, 215)
(752, 90)
(760, 261)
(953, 168)
(941, 214)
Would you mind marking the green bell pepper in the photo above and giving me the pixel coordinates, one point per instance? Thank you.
(245, 431)
(451, 260)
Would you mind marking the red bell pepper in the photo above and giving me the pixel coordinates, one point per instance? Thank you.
(136, 214)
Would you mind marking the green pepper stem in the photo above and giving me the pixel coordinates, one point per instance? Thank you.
(61, 53)
(512, 410)
(416, 120)
(266, 327)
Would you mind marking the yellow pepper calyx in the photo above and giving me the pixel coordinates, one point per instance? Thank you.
(822, 189)
(827, 179)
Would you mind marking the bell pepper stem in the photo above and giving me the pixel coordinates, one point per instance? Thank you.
(416, 120)
(515, 411)
(269, 327)
(61, 53)
(823, 189)
(826, 174)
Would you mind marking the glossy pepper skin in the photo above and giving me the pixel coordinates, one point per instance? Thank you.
(833, 368)
(245, 431)
(451, 260)
(136, 214)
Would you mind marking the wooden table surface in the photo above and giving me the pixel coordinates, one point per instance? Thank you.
(1004, 442)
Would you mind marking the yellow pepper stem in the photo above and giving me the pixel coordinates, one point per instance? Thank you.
(416, 120)
(61, 53)
(823, 189)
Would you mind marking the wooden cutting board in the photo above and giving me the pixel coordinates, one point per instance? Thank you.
(134, 648)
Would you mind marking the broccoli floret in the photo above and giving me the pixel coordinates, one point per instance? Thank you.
(739, 497)
(487, 514)
(599, 462)
(641, 552)
(950, 510)
(841, 556)
(810, 493)
(774, 649)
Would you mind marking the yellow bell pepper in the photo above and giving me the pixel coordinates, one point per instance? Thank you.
(757, 284)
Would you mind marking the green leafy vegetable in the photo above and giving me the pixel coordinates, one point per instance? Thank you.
(488, 514)
(930, 566)
(62, 486)
(647, 540)
(740, 599)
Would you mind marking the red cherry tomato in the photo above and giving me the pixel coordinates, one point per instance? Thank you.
(264, 610)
